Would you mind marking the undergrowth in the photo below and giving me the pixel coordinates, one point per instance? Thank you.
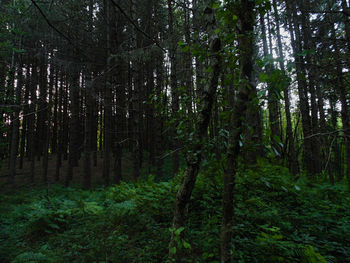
(277, 219)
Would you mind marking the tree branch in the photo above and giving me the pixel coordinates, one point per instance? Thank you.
(49, 23)
(137, 27)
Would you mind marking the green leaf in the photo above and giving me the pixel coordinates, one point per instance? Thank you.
(263, 77)
(215, 5)
(186, 245)
(173, 250)
(276, 138)
(311, 256)
(179, 230)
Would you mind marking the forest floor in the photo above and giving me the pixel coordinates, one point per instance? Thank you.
(277, 219)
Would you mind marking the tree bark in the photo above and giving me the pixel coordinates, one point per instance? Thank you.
(246, 17)
(48, 128)
(24, 134)
(310, 62)
(292, 156)
(31, 121)
(194, 153)
(16, 123)
(88, 131)
(74, 136)
(108, 127)
(273, 110)
(302, 85)
(173, 83)
(343, 98)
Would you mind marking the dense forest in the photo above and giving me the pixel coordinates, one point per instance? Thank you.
(175, 131)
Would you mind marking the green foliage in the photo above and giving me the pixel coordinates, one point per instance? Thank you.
(311, 256)
(31, 257)
(277, 219)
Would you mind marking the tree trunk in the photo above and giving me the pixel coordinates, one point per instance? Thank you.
(16, 123)
(273, 110)
(302, 86)
(343, 99)
(88, 131)
(31, 121)
(245, 13)
(48, 127)
(193, 157)
(73, 125)
(55, 118)
(310, 62)
(173, 84)
(292, 156)
(60, 127)
(108, 127)
(42, 108)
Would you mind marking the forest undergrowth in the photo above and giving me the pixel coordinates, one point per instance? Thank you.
(277, 219)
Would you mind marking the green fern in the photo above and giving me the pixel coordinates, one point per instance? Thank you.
(311, 256)
(31, 257)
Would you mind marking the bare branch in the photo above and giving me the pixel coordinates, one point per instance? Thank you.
(50, 24)
(137, 27)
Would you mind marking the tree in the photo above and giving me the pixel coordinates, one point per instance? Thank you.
(246, 20)
(195, 146)
(292, 156)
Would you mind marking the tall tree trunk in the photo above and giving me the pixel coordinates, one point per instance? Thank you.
(343, 93)
(188, 63)
(173, 82)
(3, 74)
(275, 136)
(48, 127)
(302, 85)
(65, 119)
(16, 123)
(60, 121)
(120, 113)
(246, 17)
(193, 157)
(108, 127)
(55, 118)
(311, 69)
(88, 131)
(31, 120)
(292, 156)
(42, 108)
(74, 133)
(95, 120)
(24, 134)
(159, 120)
(346, 128)
(135, 83)
(337, 167)
(346, 18)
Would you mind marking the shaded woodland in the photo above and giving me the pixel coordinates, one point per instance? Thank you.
(108, 92)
